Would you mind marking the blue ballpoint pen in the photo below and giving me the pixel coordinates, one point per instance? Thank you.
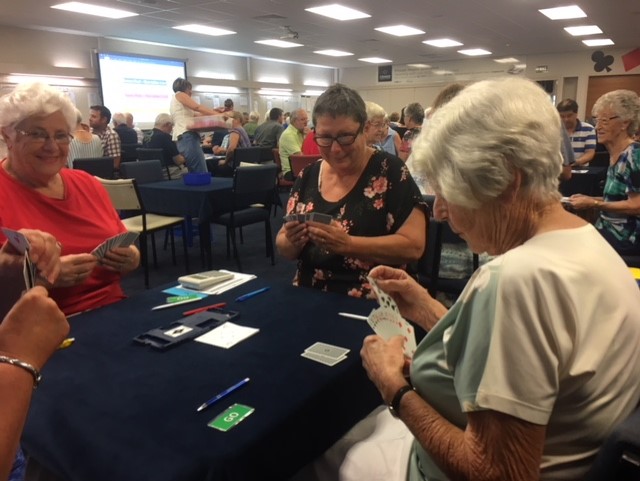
(224, 393)
(248, 295)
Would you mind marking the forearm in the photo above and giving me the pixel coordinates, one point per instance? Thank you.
(16, 387)
(392, 249)
(628, 207)
(586, 157)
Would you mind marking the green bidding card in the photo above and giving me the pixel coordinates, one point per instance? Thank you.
(230, 417)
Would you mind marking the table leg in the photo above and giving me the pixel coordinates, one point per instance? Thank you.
(205, 243)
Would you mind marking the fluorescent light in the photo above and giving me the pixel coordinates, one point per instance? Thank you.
(78, 7)
(338, 12)
(220, 89)
(598, 42)
(315, 83)
(313, 93)
(506, 60)
(274, 80)
(279, 43)
(563, 13)
(442, 42)
(278, 92)
(18, 78)
(215, 75)
(333, 53)
(442, 72)
(418, 65)
(474, 52)
(400, 30)
(583, 30)
(203, 29)
(375, 60)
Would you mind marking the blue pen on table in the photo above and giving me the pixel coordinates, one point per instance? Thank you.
(249, 295)
(223, 394)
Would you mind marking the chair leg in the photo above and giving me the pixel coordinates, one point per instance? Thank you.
(185, 243)
(173, 246)
(144, 258)
(232, 231)
(228, 232)
(241, 236)
(153, 249)
(269, 241)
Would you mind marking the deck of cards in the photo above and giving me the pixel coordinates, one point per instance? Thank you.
(387, 322)
(309, 216)
(326, 354)
(21, 244)
(121, 240)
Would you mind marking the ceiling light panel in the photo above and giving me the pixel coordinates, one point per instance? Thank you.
(79, 7)
(338, 12)
(474, 52)
(333, 53)
(598, 42)
(279, 43)
(583, 30)
(443, 42)
(203, 29)
(400, 30)
(506, 60)
(375, 60)
(563, 13)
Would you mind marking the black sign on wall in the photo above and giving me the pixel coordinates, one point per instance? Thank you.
(385, 73)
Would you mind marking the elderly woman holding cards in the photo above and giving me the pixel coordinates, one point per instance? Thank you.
(38, 192)
(538, 360)
(375, 210)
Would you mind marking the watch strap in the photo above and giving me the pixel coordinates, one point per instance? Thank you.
(394, 405)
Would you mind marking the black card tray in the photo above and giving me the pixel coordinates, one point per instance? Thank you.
(181, 330)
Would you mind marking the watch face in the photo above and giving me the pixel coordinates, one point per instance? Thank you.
(393, 412)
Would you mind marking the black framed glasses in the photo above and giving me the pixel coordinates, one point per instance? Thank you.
(606, 120)
(343, 140)
(40, 137)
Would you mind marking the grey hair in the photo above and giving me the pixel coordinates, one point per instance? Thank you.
(163, 119)
(35, 99)
(474, 144)
(415, 112)
(254, 116)
(119, 118)
(374, 111)
(625, 104)
(296, 114)
(340, 100)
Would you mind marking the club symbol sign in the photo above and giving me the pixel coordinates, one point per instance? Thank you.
(601, 61)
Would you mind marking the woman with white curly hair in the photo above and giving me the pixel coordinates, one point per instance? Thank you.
(537, 361)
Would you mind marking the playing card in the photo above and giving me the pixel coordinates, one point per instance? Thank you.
(321, 218)
(29, 271)
(384, 299)
(388, 323)
(290, 217)
(16, 239)
(124, 239)
(327, 350)
(326, 360)
(302, 217)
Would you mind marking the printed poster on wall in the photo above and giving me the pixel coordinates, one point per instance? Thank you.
(385, 73)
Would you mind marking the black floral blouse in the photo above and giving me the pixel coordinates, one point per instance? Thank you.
(378, 205)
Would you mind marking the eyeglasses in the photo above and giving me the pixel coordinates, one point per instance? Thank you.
(606, 120)
(41, 137)
(377, 125)
(344, 139)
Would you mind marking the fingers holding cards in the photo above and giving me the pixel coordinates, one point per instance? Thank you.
(76, 268)
(121, 240)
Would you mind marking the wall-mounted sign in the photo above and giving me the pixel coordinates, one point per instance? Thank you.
(542, 68)
(385, 73)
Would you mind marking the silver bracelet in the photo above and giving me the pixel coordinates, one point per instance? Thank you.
(37, 377)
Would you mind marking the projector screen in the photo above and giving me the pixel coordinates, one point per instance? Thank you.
(140, 85)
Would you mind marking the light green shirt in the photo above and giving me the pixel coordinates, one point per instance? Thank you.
(290, 143)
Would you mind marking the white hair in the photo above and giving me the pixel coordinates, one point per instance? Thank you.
(374, 111)
(474, 144)
(35, 99)
(163, 119)
(119, 118)
(624, 103)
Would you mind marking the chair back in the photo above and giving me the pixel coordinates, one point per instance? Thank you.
(123, 193)
(254, 185)
(129, 152)
(99, 166)
(145, 153)
(249, 155)
(300, 161)
(144, 171)
(600, 159)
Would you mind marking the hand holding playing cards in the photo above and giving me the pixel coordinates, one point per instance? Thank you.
(297, 236)
(413, 300)
(33, 329)
(44, 250)
(76, 268)
(331, 237)
(385, 363)
(121, 259)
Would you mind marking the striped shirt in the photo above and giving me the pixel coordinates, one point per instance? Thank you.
(583, 138)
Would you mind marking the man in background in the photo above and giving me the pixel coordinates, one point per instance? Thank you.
(582, 134)
(161, 139)
(268, 133)
(127, 134)
(413, 118)
(99, 122)
(291, 140)
(130, 124)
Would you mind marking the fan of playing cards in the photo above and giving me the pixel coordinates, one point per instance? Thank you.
(21, 244)
(387, 322)
(121, 240)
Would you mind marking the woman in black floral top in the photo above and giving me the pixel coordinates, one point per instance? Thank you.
(378, 212)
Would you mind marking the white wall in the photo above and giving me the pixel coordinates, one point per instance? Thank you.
(421, 85)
